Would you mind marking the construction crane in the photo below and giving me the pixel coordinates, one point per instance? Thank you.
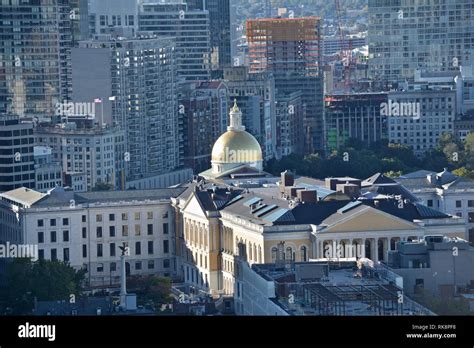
(346, 50)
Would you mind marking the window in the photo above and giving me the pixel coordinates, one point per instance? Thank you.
(54, 254)
(124, 230)
(65, 236)
(430, 202)
(289, 255)
(470, 203)
(65, 222)
(150, 247)
(458, 204)
(100, 251)
(98, 218)
(66, 254)
(112, 231)
(40, 237)
(53, 236)
(150, 229)
(124, 216)
(100, 268)
(111, 217)
(99, 232)
(274, 254)
(471, 217)
(137, 230)
(166, 263)
(52, 222)
(41, 254)
(113, 267)
(303, 253)
(84, 250)
(138, 248)
(112, 249)
(84, 232)
(138, 265)
(40, 223)
(149, 215)
(84, 218)
(166, 246)
(137, 216)
(151, 264)
(165, 228)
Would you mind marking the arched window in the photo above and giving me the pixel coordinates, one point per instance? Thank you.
(250, 252)
(274, 254)
(289, 256)
(255, 252)
(303, 253)
(260, 254)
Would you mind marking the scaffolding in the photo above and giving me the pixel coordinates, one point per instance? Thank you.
(285, 45)
(373, 299)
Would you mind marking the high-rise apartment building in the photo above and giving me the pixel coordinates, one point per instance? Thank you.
(35, 41)
(191, 30)
(17, 166)
(220, 30)
(405, 35)
(107, 15)
(135, 79)
(97, 154)
(291, 49)
(203, 109)
(255, 95)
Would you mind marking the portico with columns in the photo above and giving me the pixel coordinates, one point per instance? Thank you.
(364, 232)
(356, 243)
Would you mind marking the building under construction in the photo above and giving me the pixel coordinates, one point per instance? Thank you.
(355, 116)
(285, 45)
(291, 49)
(324, 288)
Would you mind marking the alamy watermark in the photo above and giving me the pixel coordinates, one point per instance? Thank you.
(238, 156)
(70, 109)
(9, 251)
(340, 250)
(401, 109)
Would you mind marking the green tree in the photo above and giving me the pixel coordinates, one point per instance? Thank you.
(45, 280)
(102, 186)
(151, 289)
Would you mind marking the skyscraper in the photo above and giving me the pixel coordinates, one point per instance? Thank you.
(191, 30)
(290, 48)
(35, 46)
(406, 35)
(136, 80)
(17, 166)
(220, 30)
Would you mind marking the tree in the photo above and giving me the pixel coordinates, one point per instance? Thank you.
(43, 280)
(102, 186)
(151, 289)
(443, 306)
(464, 172)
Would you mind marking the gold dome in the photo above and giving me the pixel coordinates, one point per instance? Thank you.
(236, 147)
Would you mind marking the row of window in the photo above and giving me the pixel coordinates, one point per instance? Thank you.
(52, 222)
(137, 249)
(125, 230)
(138, 266)
(290, 255)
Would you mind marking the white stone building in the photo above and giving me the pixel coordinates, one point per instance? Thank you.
(87, 229)
(445, 192)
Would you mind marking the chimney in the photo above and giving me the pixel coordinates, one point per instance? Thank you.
(352, 190)
(287, 180)
(307, 196)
